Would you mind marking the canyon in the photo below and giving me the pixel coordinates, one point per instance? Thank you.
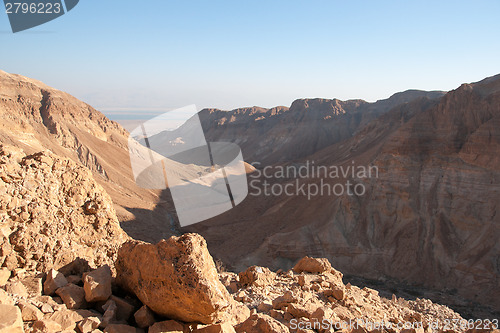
(428, 220)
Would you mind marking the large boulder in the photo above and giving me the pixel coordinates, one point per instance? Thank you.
(257, 276)
(175, 278)
(312, 265)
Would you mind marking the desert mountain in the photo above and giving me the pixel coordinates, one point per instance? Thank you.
(36, 117)
(428, 218)
(67, 266)
(283, 134)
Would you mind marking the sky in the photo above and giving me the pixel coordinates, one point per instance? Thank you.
(148, 56)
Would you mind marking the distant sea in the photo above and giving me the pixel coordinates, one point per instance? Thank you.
(131, 119)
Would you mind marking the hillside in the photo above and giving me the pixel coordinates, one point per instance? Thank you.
(36, 117)
(428, 219)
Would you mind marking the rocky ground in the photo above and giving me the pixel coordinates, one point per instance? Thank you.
(66, 266)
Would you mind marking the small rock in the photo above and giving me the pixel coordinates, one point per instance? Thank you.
(46, 326)
(33, 286)
(75, 279)
(257, 276)
(66, 318)
(264, 307)
(11, 320)
(217, 328)
(5, 298)
(88, 324)
(124, 308)
(170, 326)
(258, 323)
(120, 328)
(29, 312)
(16, 288)
(53, 281)
(46, 308)
(337, 292)
(90, 208)
(73, 296)
(4, 276)
(110, 309)
(300, 311)
(97, 284)
(144, 317)
(284, 300)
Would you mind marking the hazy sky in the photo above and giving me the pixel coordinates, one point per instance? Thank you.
(161, 54)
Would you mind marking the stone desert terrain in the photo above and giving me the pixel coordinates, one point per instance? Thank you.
(84, 249)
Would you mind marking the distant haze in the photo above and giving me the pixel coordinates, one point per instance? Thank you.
(226, 54)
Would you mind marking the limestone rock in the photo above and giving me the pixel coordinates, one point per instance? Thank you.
(97, 284)
(120, 328)
(29, 312)
(53, 281)
(144, 317)
(216, 328)
(175, 278)
(256, 275)
(57, 233)
(5, 298)
(124, 307)
(46, 326)
(312, 265)
(258, 323)
(168, 326)
(4, 276)
(283, 300)
(73, 296)
(88, 324)
(10, 319)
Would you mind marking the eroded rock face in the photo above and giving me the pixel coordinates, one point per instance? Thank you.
(435, 191)
(41, 210)
(175, 278)
(36, 117)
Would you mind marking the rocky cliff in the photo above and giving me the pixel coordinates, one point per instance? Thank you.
(283, 134)
(429, 218)
(53, 213)
(36, 117)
